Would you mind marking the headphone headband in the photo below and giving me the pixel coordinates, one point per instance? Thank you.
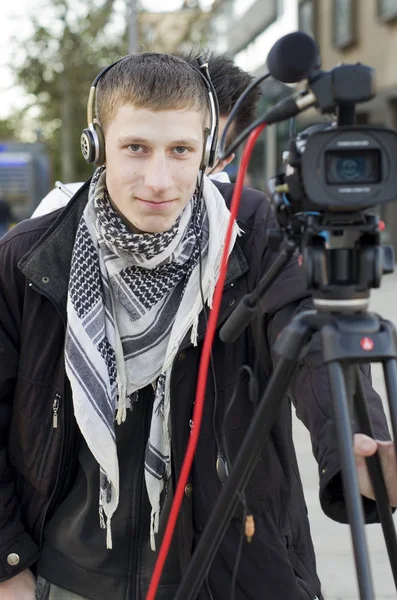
(93, 140)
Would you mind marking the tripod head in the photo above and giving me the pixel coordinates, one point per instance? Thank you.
(342, 255)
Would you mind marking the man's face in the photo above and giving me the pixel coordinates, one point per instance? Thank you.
(152, 161)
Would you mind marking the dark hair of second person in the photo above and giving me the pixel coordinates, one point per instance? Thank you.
(229, 82)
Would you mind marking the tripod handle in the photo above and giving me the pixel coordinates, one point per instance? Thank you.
(238, 320)
(246, 310)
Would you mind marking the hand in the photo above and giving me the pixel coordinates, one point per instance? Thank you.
(366, 446)
(20, 587)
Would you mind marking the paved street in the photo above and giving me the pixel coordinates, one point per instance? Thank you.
(332, 540)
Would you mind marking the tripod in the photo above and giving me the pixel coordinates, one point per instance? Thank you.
(340, 273)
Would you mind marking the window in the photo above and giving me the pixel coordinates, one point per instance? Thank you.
(344, 20)
(307, 17)
(387, 10)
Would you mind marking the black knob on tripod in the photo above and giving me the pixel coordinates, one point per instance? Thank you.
(388, 259)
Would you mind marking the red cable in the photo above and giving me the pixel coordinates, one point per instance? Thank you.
(203, 371)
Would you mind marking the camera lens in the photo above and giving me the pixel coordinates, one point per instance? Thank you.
(344, 167)
(350, 168)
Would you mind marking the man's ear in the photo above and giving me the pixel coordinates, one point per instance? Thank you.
(226, 161)
(221, 164)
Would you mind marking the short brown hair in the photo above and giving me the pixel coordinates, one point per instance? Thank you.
(150, 80)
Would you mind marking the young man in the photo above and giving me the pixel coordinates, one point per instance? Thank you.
(229, 82)
(101, 330)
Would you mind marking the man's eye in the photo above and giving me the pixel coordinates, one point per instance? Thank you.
(181, 150)
(135, 148)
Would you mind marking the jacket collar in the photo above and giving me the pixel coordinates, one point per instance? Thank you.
(47, 264)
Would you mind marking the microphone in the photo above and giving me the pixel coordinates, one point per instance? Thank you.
(293, 57)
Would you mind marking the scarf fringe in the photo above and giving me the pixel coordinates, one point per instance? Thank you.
(121, 414)
(102, 521)
(109, 543)
(154, 527)
(106, 523)
(211, 292)
(194, 333)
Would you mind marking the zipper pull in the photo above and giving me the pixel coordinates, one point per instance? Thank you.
(55, 408)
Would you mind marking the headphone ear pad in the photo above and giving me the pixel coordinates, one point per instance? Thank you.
(100, 145)
(87, 144)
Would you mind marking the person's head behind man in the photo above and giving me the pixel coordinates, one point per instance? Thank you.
(153, 109)
(229, 82)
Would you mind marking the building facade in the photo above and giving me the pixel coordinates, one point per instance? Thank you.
(246, 30)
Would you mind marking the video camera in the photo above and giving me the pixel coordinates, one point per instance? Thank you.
(341, 166)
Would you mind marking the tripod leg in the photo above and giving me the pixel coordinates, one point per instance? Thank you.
(291, 343)
(377, 479)
(390, 373)
(350, 480)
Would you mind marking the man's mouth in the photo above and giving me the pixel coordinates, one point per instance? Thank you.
(156, 202)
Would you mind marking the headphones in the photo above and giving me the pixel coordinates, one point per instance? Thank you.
(92, 139)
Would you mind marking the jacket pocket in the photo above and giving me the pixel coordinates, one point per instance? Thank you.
(307, 592)
(300, 571)
(36, 434)
(54, 425)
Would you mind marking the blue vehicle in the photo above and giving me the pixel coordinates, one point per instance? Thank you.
(6, 217)
(24, 176)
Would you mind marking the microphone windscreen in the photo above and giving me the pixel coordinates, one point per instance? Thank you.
(293, 57)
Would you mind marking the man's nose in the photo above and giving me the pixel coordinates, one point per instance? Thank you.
(158, 173)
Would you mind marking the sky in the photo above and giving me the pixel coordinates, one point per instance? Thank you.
(14, 22)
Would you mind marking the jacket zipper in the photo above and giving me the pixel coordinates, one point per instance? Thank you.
(55, 410)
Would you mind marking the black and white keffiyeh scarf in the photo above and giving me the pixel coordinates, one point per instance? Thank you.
(131, 300)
